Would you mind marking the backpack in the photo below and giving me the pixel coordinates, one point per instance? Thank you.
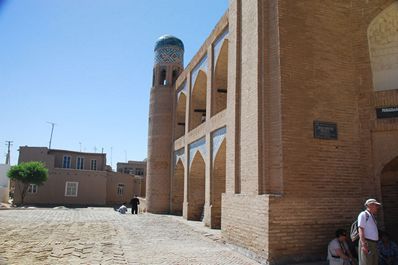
(354, 232)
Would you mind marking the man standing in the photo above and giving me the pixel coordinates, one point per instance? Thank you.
(134, 204)
(368, 234)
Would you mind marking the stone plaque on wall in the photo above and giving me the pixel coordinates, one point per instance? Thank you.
(325, 130)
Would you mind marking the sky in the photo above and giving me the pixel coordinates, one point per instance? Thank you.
(86, 65)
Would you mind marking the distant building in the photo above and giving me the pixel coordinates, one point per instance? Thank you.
(4, 183)
(76, 178)
(138, 170)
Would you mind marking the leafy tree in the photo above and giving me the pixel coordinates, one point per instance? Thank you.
(28, 173)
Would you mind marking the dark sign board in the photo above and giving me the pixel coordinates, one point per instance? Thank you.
(325, 130)
(387, 112)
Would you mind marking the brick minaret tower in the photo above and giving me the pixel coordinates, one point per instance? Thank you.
(169, 52)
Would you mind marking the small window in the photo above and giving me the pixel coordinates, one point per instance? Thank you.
(162, 79)
(153, 78)
(80, 163)
(93, 164)
(120, 189)
(139, 171)
(32, 189)
(66, 162)
(175, 75)
(71, 189)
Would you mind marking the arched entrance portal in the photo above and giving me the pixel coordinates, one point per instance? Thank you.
(389, 191)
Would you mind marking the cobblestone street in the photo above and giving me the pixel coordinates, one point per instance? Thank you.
(103, 236)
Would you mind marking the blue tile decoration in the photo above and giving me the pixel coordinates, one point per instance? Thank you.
(197, 146)
(168, 40)
(201, 66)
(170, 54)
(217, 139)
(179, 155)
(217, 46)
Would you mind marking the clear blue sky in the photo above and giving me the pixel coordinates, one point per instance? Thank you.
(87, 66)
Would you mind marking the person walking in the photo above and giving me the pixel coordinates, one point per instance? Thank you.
(134, 204)
(368, 234)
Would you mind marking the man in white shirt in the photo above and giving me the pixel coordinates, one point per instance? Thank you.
(368, 234)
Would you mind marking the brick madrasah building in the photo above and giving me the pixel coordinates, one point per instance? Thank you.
(281, 126)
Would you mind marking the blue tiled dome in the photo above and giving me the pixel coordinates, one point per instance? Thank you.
(168, 40)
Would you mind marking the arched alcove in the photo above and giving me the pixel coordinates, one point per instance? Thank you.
(383, 46)
(177, 191)
(198, 101)
(196, 190)
(180, 115)
(218, 185)
(221, 80)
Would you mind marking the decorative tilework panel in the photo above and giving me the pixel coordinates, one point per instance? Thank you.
(202, 65)
(197, 146)
(179, 154)
(169, 54)
(218, 44)
(182, 89)
(217, 139)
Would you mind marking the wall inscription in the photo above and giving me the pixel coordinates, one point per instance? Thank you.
(325, 130)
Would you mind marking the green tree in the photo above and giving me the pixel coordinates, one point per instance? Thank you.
(27, 173)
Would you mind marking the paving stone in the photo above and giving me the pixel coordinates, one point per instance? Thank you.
(99, 236)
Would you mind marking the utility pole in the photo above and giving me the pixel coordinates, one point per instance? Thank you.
(8, 156)
(52, 130)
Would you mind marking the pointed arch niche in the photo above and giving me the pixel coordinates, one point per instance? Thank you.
(198, 95)
(383, 48)
(177, 191)
(196, 191)
(218, 174)
(179, 126)
(220, 85)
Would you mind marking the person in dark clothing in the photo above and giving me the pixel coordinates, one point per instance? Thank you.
(134, 204)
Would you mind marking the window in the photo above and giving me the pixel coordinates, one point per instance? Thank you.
(139, 171)
(66, 162)
(71, 189)
(120, 189)
(93, 164)
(162, 79)
(80, 163)
(175, 75)
(32, 188)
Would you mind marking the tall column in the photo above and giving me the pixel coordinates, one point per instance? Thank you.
(169, 52)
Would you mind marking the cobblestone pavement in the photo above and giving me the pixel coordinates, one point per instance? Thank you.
(103, 236)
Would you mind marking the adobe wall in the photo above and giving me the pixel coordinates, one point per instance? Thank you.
(131, 187)
(91, 188)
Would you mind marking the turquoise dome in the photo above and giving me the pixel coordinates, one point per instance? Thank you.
(168, 40)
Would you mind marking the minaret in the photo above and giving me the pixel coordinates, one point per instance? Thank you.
(169, 53)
